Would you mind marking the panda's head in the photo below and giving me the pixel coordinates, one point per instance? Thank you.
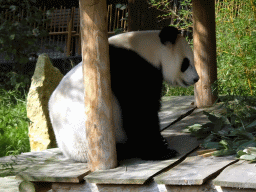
(177, 59)
(165, 49)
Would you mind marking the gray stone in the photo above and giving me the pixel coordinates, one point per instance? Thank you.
(44, 81)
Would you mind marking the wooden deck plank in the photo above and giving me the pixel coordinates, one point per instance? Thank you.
(56, 172)
(174, 107)
(197, 117)
(239, 175)
(194, 170)
(175, 135)
(48, 166)
(136, 171)
(12, 165)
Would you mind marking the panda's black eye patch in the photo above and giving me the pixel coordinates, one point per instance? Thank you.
(184, 65)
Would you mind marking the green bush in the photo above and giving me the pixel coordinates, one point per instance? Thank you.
(236, 46)
(231, 130)
(15, 81)
(13, 123)
(20, 31)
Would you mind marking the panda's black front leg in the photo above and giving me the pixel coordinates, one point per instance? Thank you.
(144, 138)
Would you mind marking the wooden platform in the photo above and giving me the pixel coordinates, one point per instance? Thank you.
(49, 170)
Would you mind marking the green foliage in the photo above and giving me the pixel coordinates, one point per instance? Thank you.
(182, 18)
(248, 154)
(236, 46)
(176, 91)
(125, 18)
(231, 131)
(15, 81)
(19, 34)
(121, 6)
(236, 43)
(13, 123)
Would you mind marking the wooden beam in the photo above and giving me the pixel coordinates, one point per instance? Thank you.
(98, 95)
(205, 51)
(61, 33)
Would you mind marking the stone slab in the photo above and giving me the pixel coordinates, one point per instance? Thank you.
(44, 81)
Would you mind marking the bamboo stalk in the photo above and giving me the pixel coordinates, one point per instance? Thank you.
(122, 20)
(60, 37)
(114, 25)
(110, 18)
(117, 20)
(70, 26)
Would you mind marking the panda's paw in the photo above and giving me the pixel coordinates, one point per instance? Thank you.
(168, 154)
(159, 151)
(160, 154)
(123, 152)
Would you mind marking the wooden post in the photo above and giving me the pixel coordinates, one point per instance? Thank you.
(204, 51)
(96, 71)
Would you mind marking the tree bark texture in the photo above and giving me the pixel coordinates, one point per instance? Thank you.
(98, 94)
(205, 51)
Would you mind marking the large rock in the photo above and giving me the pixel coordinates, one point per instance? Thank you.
(44, 81)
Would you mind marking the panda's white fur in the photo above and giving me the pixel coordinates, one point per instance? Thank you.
(66, 105)
(67, 114)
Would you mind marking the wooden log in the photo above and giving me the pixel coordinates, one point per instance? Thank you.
(98, 95)
(205, 51)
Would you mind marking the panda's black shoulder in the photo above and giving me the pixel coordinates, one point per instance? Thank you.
(168, 34)
(126, 60)
(135, 74)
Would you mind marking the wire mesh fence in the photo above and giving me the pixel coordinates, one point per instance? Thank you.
(64, 30)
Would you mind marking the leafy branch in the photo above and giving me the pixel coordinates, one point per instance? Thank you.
(232, 132)
(181, 14)
(21, 29)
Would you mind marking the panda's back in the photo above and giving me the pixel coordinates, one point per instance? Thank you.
(134, 81)
(67, 114)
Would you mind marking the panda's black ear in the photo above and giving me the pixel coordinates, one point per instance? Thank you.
(168, 34)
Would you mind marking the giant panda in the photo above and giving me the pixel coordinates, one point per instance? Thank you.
(139, 62)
